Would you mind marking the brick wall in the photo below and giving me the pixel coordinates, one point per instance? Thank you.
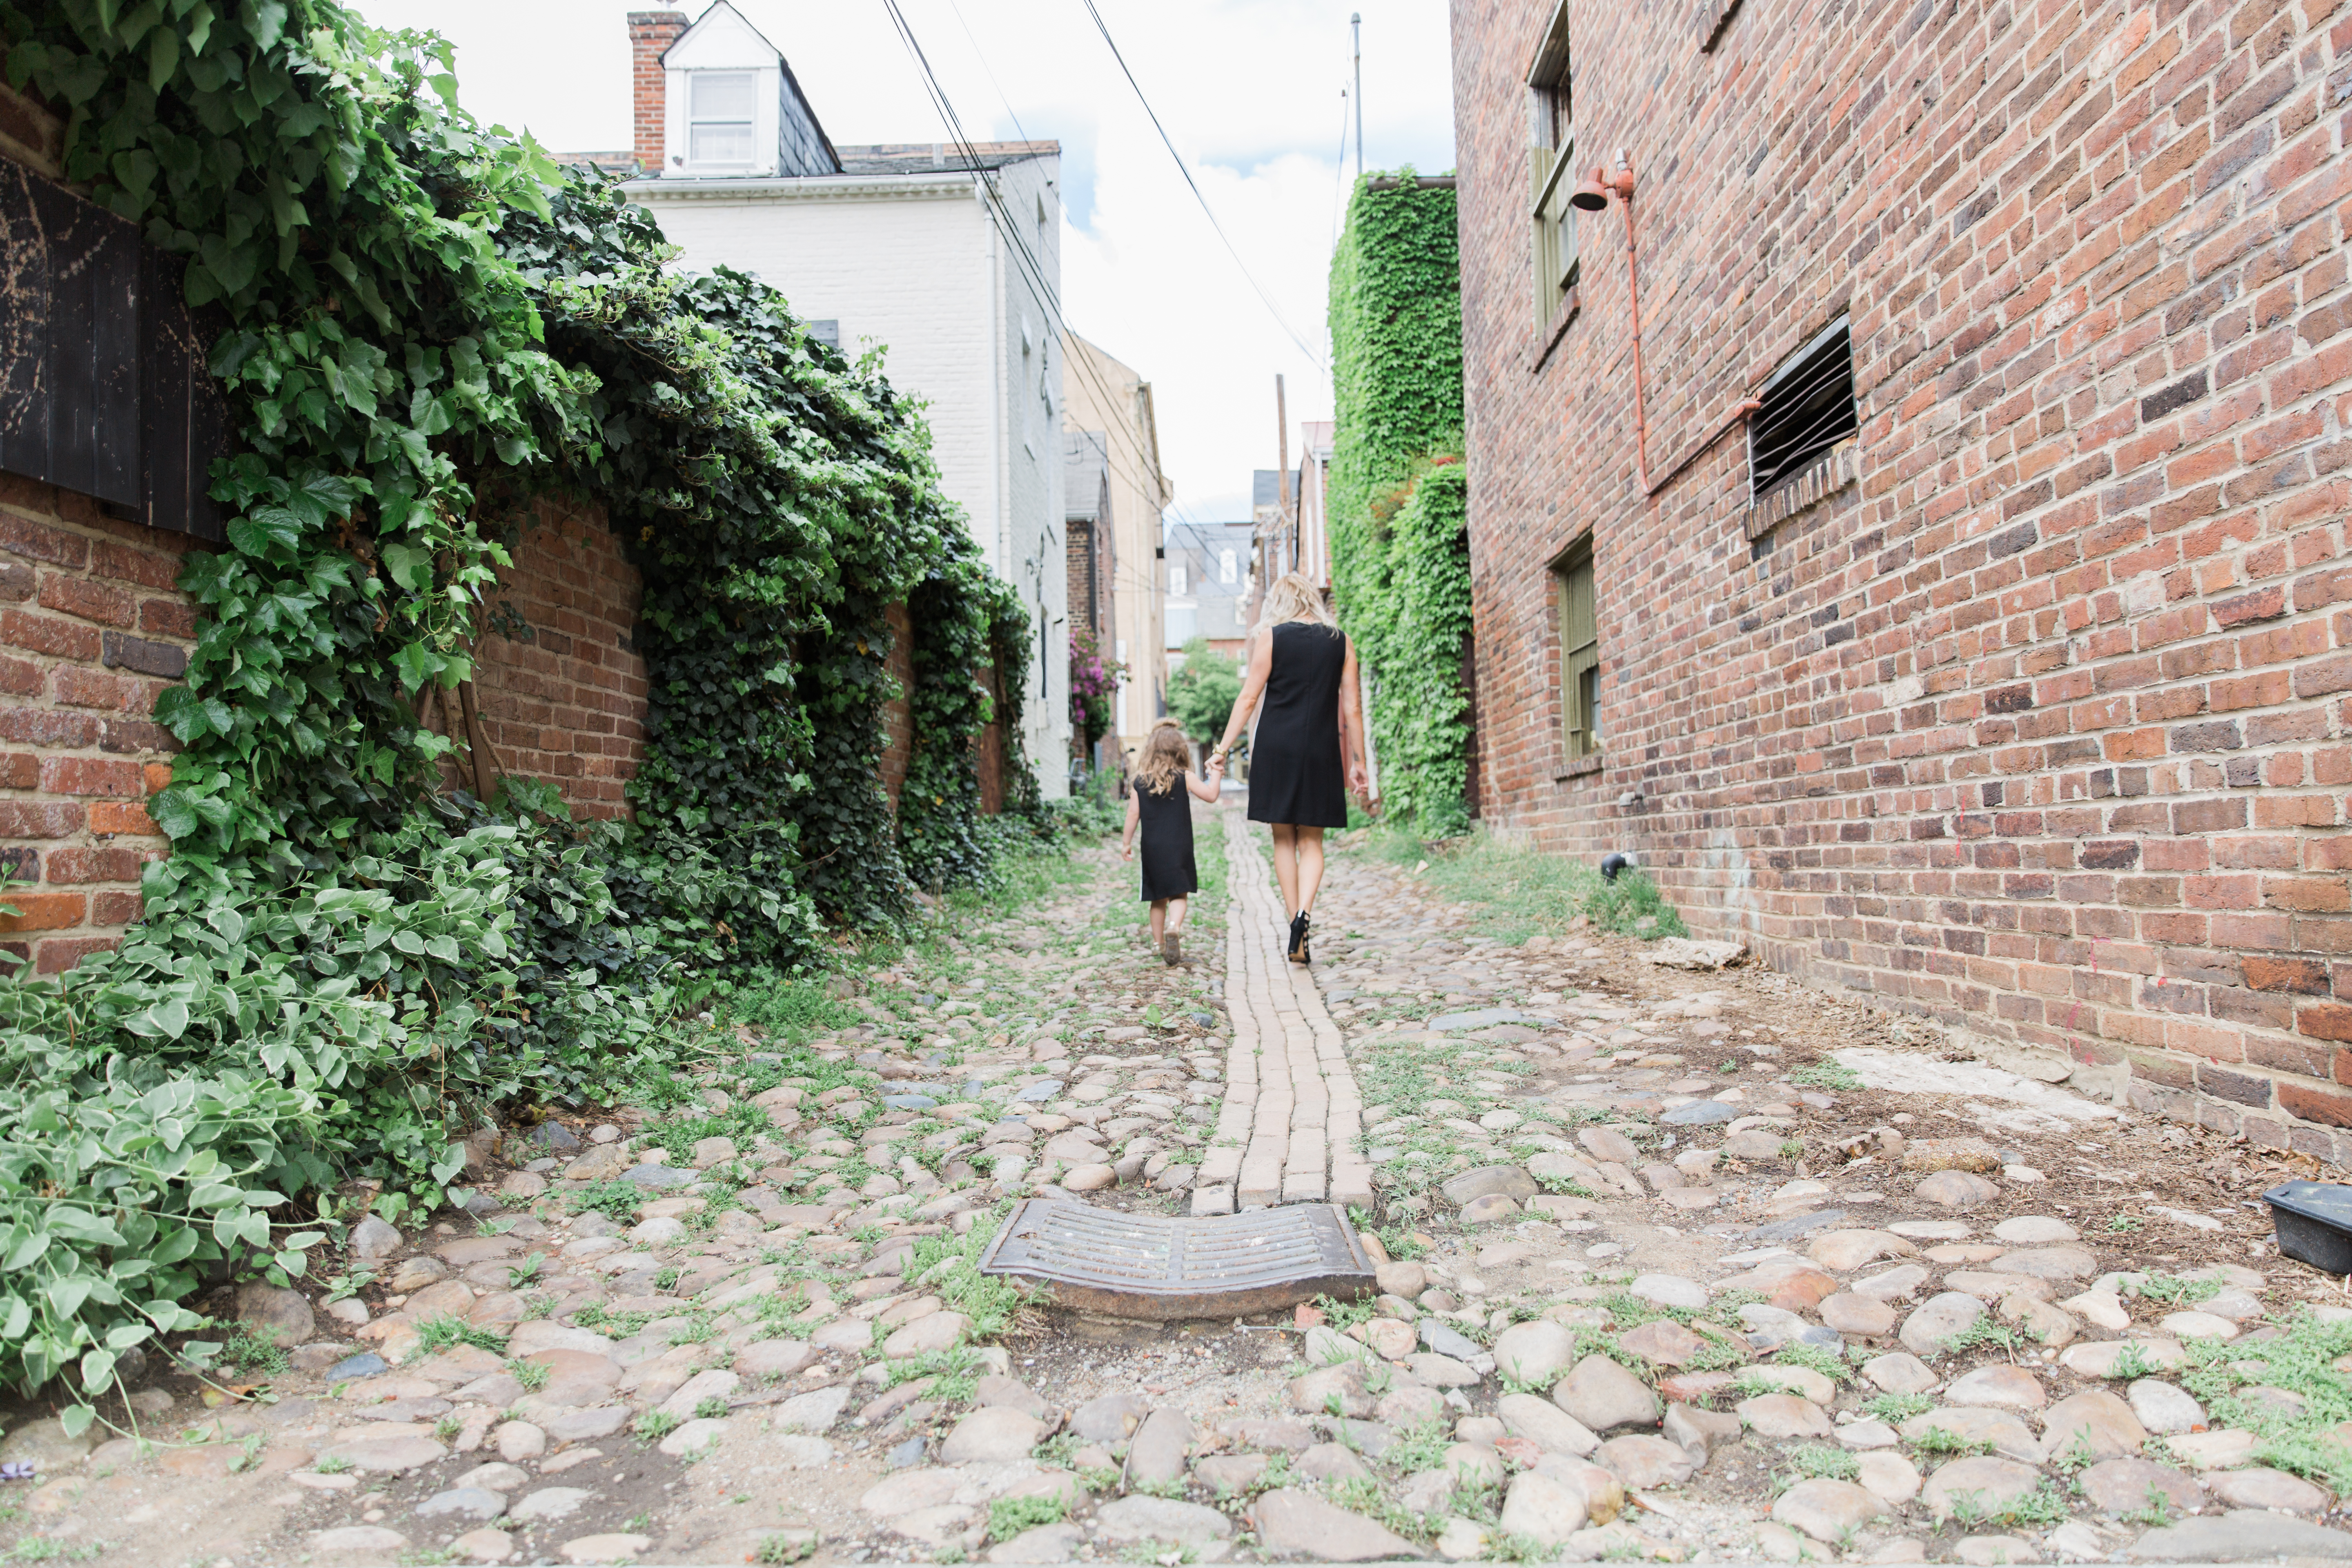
(91, 629)
(2039, 725)
(650, 33)
(558, 683)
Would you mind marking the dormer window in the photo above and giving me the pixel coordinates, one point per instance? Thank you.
(721, 115)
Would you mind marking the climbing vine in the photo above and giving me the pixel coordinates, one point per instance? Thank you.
(422, 327)
(1400, 552)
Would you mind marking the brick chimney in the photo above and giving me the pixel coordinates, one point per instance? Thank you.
(650, 33)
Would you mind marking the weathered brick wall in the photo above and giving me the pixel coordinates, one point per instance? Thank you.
(559, 683)
(91, 629)
(2039, 725)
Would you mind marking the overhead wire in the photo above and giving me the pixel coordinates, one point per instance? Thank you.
(1184, 168)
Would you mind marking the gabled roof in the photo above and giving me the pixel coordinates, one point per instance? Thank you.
(930, 157)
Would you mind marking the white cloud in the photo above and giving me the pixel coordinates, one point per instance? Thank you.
(1249, 89)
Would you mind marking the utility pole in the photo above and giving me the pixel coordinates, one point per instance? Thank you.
(1356, 39)
(1282, 445)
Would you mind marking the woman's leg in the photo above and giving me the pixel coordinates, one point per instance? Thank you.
(1285, 865)
(1310, 857)
(1175, 916)
(1158, 920)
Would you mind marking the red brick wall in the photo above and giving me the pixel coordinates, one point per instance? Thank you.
(2040, 726)
(91, 629)
(559, 685)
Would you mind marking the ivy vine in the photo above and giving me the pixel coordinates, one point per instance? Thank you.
(1399, 546)
(421, 327)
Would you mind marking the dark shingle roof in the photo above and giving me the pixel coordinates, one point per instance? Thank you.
(932, 157)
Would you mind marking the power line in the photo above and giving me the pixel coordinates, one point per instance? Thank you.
(1016, 244)
(1184, 169)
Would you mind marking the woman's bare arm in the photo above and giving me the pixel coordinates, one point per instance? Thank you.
(1352, 725)
(1261, 664)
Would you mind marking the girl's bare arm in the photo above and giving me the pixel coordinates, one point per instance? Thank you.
(1134, 816)
(1202, 788)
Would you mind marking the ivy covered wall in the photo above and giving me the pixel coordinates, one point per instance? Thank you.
(1400, 552)
(423, 330)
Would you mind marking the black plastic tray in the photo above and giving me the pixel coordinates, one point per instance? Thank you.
(2313, 1221)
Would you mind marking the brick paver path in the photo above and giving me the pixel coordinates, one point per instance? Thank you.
(1286, 1132)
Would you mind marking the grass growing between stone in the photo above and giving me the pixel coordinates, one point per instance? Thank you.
(1515, 893)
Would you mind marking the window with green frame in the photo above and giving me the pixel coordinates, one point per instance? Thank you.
(1551, 163)
(1579, 654)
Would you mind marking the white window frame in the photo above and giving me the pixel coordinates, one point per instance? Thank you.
(1179, 580)
(1229, 567)
(748, 120)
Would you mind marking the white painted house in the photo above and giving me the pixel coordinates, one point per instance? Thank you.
(945, 255)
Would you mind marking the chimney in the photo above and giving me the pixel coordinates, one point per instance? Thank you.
(650, 33)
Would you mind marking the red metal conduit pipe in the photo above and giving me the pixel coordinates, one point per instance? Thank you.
(1593, 196)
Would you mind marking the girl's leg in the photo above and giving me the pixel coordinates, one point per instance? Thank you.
(1285, 865)
(1310, 857)
(1158, 920)
(1175, 916)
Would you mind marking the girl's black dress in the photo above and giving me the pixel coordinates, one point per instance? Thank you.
(1164, 834)
(1296, 774)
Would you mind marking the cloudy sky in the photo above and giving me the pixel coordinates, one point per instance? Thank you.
(1249, 89)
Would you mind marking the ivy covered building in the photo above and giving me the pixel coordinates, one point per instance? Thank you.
(947, 256)
(1387, 502)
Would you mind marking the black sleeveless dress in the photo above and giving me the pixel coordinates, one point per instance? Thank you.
(1296, 772)
(1164, 832)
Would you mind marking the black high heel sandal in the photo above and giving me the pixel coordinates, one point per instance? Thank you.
(1298, 935)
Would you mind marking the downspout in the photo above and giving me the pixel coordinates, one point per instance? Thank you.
(1592, 197)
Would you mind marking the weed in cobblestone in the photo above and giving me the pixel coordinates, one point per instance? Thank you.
(250, 1353)
(1984, 1331)
(1825, 1461)
(616, 1200)
(447, 1427)
(1419, 1446)
(1008, 1517)
(1942, 1440)
(440, 1333)
(655, 1424)
(1059, 1450)
(1892, 1408)
(531, 1374)
(711, 1408)
(619, 1324)
(2169, 1291)
(782, 1549)
(1830, 1363)
(1826, 1075)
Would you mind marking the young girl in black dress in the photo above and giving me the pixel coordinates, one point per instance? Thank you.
(1157, 806)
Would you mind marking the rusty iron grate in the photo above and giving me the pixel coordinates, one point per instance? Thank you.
(1145, 1266)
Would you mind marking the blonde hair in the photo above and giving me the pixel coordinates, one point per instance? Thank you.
(1293, 597)
(1167, 757)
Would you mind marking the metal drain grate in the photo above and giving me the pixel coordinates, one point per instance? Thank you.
(1143, 1266)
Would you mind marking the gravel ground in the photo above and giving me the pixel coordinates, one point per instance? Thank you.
(1671, 1264)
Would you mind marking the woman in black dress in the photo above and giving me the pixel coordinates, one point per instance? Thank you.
(1309, 749)
(1156, 808)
